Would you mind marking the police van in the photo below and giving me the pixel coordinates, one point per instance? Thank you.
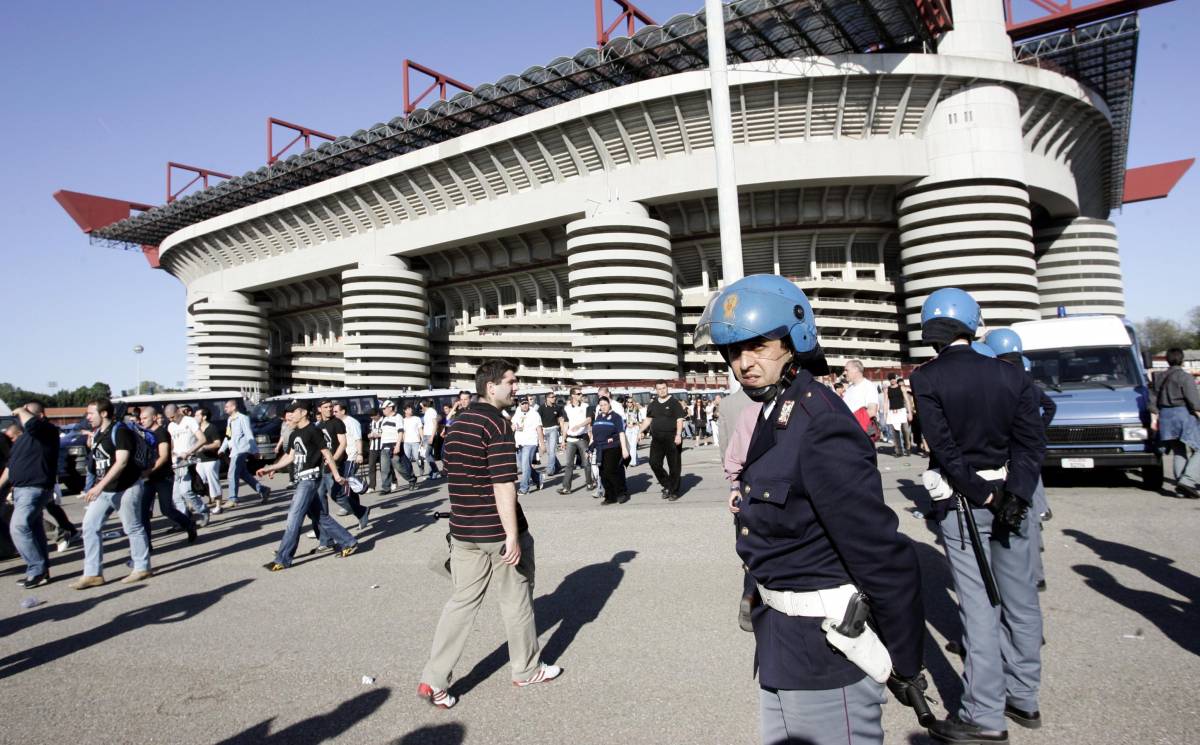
(1091, 365)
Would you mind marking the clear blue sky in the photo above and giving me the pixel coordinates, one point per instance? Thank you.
(97, 97)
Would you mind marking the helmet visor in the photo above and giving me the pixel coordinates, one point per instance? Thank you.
(712, 333)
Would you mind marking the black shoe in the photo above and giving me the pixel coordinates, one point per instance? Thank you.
(623, 498)
(38, 581)
(608, 501)
(672, 497)
(664, 493)
(1041, 585)
(191, 534)
(1027, 719)
(954, 729)
(562, 491)
(1187, 492)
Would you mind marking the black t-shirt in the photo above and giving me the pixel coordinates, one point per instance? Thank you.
(104, 451)
(211, 435)
(895, 396)
(306, 445)
(33, 460)
(162, 435)
(551, 414)
(663, 415)
(331, 428)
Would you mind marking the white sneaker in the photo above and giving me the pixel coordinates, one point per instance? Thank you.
(439, 697)
(545, 674)
(311, 534)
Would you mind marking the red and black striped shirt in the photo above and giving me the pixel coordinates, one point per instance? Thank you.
(479, 451)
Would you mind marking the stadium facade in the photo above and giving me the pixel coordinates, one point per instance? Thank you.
(566, 218)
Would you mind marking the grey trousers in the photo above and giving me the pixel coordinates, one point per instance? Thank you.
(841, 716)
(578, 446)
(1004, 644)
(1040, 507)
(474, 567)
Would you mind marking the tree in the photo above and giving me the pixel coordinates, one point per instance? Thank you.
(1160, 334)
(78, 397)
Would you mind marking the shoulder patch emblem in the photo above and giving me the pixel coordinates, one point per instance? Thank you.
(785, 414)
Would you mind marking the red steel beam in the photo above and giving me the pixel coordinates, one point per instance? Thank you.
(302, 133)
(1154, 182)
(201, 174)
(440, 81)
(1064, 15)
(91, 212)
(629, 14)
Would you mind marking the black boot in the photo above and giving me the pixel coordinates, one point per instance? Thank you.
(953, 729)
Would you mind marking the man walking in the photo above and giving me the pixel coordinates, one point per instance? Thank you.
(490, 543)
(353, 434)
(431, 430)
(31, 469)
(239, 441)
(550, 412)
(664, 421)
(117, 488)
(160, 481)
(413, 436)
(1174, 405)
(576, 423)
(186, 440)
(527, 431)
(391, 452)
(307, 454)
(209, 465)
(373, 448)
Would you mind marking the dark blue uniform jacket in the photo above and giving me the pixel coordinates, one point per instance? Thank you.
(979, 413)
(813, 518)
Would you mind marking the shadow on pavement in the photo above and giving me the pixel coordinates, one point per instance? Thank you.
(441, 734)
(1177, 619)
(576, 602)
(169, 611)
(318, 728)
(51, 612)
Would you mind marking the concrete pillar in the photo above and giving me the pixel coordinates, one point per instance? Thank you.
(979, 31)
(385, 326)
(1078, 266)
(227, 343)
(622, 292)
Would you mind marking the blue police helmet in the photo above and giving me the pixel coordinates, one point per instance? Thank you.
(947, 314)
(1026, 363)
(765, 305)
(1004, 341)
(983, 349)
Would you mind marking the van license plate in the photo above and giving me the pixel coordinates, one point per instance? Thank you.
(1078, 463)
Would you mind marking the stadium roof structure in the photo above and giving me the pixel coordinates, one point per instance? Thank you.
(755, 30)
(1102, 56)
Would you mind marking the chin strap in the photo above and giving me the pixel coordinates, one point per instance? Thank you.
(765, 394)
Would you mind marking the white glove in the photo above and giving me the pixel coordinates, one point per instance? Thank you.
(937, 486)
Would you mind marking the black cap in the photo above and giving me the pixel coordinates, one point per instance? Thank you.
(295, 404)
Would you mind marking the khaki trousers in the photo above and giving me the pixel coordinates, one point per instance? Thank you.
(475, 567)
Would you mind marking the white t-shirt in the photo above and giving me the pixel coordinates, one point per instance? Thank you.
(183, 435)
(390, 428)
(525, 427)
(353, 437)
(430, 421)
(412, 428)
(576, 418)
(860, 395)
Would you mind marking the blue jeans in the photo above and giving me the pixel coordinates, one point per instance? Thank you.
(412, 451)
(550, 467)
(27, 529)
(239, 470)
(128, 505)
(430, 457)
(525, 455)
(184, 495)
(306, 492)
(392, 460)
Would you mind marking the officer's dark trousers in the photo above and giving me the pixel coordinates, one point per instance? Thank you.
(612, 473)
(663, 446)
(1003, 644)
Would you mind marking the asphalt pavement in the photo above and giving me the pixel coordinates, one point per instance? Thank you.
(637, 602)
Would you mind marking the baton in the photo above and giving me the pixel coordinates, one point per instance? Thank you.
(985, 569)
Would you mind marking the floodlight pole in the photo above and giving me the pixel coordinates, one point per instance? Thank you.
(722, 126)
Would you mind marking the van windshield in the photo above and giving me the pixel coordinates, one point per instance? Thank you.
(1094, 367)
(264, 412)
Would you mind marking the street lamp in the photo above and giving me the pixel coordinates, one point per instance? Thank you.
(137, 352)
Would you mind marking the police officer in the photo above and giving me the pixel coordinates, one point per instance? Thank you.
(1007, 345)
(814, 529)
(986, 445)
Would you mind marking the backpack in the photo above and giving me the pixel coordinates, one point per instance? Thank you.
(145, 451)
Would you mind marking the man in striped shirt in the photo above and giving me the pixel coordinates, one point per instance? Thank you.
(490, 543)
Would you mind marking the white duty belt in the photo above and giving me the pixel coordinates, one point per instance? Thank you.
(814, 604)
(939, 488)
(866, 650)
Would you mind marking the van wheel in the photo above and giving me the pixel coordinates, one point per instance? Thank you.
(1152, 477)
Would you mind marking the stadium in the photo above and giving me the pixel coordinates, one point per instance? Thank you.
(566, 217)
